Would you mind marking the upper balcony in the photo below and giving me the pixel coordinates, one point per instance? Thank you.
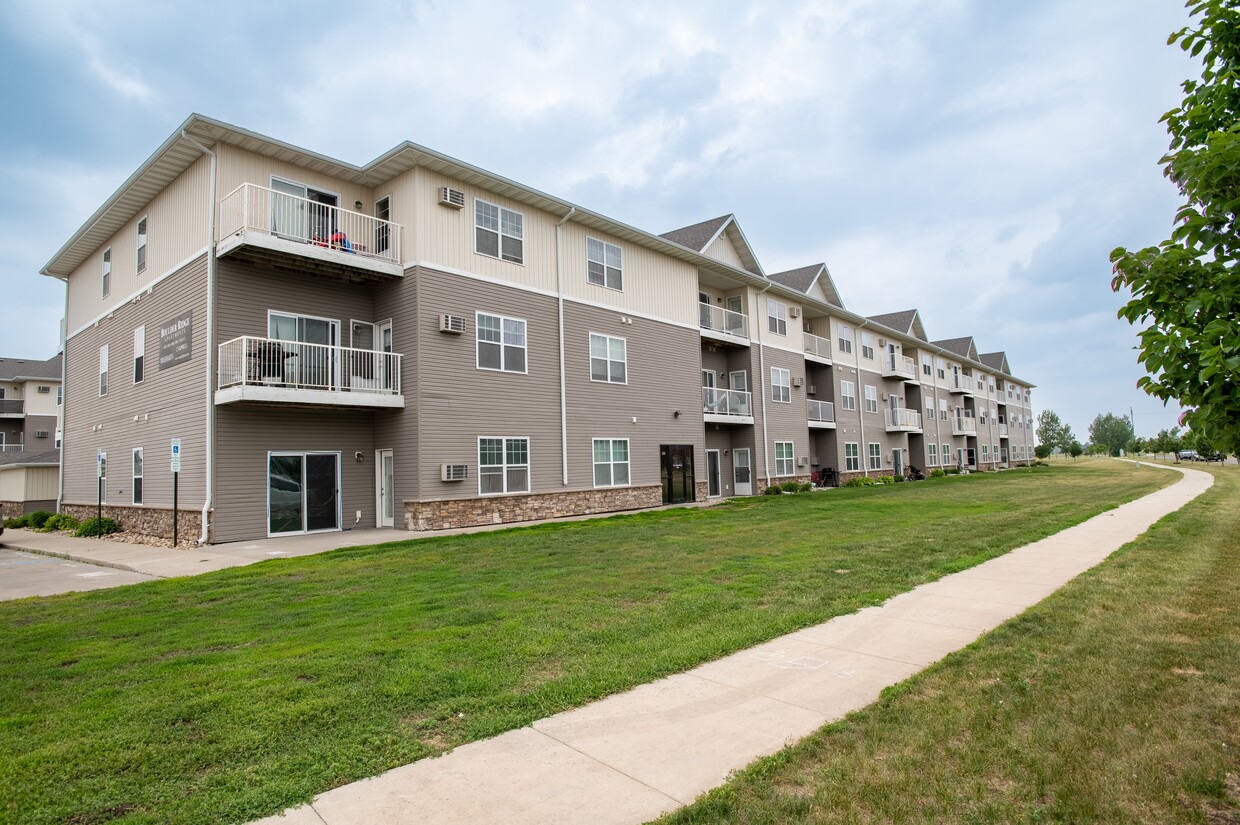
(724, 325)
(266, 371)
(294, 233)
(12, 408)
(899, 366)
(12, 448)
(817, 349)
(964, 425)
(959, 382)
(1003, 430)
(903, 421)
(727, 406)
(821, 414)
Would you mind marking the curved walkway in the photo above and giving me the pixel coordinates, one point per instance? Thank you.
(633, 756)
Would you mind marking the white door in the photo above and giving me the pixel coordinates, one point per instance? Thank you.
(385, 476)
(710, 396)
(714, 479)
(897, 462)
(742, 472)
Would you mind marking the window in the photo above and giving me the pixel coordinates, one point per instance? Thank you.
(783, 458)
(498, 232)
(947, 454)
(102, 480)
(940, 367)
(871, 399)
(942, 409)
(777, 317)
(876, 456)
(107, 273)
(608, 359)
(781, 385)
(932, 456)
(848, 395)
(929, 409)
(846, 338)
(139, 353)
(60, 394)
(137, 475)
(503, 465)
(604, 265)
(611, 462)
(103, 370)
(985, 452)
(501, 343)
(383, 231)
(141, 246)
(852, 457)
(982, 417)
(867, 345)
(925, 365)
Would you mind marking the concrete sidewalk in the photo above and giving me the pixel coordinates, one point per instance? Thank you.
(633, 756)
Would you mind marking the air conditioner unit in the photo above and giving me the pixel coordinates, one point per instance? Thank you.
(882, 342)
(40, 434)
(45, 389)
(798, 381)
(454, 324)
(811, 390)
(451, 197)
(815, 461)
(803, 461)
(795, 312)
(453, 472)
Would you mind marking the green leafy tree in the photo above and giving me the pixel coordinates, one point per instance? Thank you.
(1042, 450)
(1075, 449)
(1052, 432)
(1186, 291)
(1167, 441)
(1111, 432)
(1137, 445)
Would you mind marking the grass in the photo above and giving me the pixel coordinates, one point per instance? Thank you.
(1115, 700)
(233, 695)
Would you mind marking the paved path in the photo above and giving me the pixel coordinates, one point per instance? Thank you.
(29, 574)
(633, 756)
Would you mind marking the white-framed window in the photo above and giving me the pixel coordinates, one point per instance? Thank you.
(102, 480)
(932, 454)
(776, 316)
(867, 346)
(141, 256)
(503, 465)
(784, 463)
(929, 409)
(106, 273)
(925, 365)
(871, 399)
(608, 359)
(137, 475)
(103, 370)
(501, 343)
(985, 452)
(940, 367)
(604, 264)
(852, 456)
(611, 462)
(499, 232)
(982, 417)
(781, 385)
(942, 409)
(60, 394)
(139, 354)
(848, 395)
(845, 334)
(876, 456)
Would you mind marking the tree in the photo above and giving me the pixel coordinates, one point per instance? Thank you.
(1042, 450)
(1075, 448)
(1111, 432)
(1052, 432)
(1138, 445)
(1167, 441)
(1186, 290)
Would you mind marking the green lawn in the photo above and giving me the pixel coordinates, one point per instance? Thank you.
(1115, 700)
(233, 695)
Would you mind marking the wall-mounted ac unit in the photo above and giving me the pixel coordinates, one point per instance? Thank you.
(815, 461)
(40, 433)
(45, 389)
(795, 312)
(803, 461)
(453, 472)
(452, 323)
(451, 197)
(882, 343)
(811, 390)
(798, 381)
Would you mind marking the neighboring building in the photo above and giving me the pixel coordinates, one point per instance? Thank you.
(30, 404)
(420, 343)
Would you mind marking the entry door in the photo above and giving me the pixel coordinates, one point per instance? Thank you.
(302, 213)
(312, 367)
(303, 492)
(737, 321)
(385, 472)
(710, 395)
(714, 479)
(739, 382)
(676, 470)
(743, 475)
(891, 356)
(897, 462)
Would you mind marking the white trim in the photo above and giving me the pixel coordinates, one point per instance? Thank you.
(142, 243)
(525, 346)
(590, 357)
(529, 464)
(137, 453)
(499, 241)
(605, 244)
(718, 466)
(139, 337)
(628, 463)
(379, 516)
(792, 459)
(128, 299)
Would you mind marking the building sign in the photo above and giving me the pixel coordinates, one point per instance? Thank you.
(175, 338)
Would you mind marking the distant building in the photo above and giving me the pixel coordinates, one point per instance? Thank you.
(31, 399)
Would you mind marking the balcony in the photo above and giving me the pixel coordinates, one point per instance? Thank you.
(817, 349)
(959, 382)
(964, 425)
(12, 448)
(724, 325)
(12, 408)
(296, 234)
(821, 415)
(899, 366)
(1003, 431)
(903, 421)
(727, 406)
(265, 371)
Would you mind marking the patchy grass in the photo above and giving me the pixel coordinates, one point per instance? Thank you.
(233, 695)
(1115, 700)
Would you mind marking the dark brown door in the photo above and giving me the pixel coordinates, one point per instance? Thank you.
(676, 461)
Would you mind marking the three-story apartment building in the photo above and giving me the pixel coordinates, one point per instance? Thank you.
(30, 404)
(420, 343)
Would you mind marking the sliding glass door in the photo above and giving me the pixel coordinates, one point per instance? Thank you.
(303, 492)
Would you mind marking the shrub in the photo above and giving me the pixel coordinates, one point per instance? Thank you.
(791, 486)
(938, 472)
(885, 480)
(774, 490)
(806, 487)
(17, 523)
(61, 521)
(860, 481)
(953, 471)
(38, 518)
(97, 527)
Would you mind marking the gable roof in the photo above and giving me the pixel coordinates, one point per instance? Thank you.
(698, 236)
(19, 369)
(960, 346)
(995, 360)
(907, 322)
(806, 278)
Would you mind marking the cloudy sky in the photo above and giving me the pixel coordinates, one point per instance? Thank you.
(975, 160)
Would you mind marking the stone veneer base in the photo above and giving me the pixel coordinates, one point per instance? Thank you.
(145, 521)
(474, 512)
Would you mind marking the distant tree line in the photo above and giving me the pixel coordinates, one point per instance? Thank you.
(1111, 434)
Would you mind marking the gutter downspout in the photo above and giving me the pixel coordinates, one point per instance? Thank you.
(559, 297)
(64, 358)
(208, 449)
(865, 464)
(762, 377)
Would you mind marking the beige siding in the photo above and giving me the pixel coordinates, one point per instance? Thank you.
(722, 250)
(40, 403)
(759, 324)
(168, 404)
(177, 228)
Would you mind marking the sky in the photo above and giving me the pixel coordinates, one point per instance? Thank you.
(975, 160)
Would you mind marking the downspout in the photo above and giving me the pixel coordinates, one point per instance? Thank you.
(559, 297)
(64, 358)
(208, 449)
(762, 377)
(865, 463)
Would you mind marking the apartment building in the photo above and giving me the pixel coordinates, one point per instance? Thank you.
(420, 343)
(30, 404)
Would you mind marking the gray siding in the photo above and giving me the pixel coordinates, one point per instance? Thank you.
(36, 423)
(245, 294)
(784, 422)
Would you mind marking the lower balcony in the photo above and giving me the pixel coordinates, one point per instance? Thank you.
(903, 421)
(727, 406)
(267, 371)
(964, 425)
(821, 415)
(12, 408)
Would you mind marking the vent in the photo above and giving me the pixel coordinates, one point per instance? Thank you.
(45, 389)
(798, 381)
(451, 197)
(453, 472)
(40, 433)
(454, 324)
(795, 312)
(803, 461)
(811, 390)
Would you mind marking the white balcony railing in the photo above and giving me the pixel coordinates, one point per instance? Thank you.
(821, 411)
(250, 361)
(718, 319)
(12, 448)
(252, 208)
(964, 425)
(1003, 431)
(899, 366)
(726, 402)
(903, 419)
(961, 383)
(817, 347)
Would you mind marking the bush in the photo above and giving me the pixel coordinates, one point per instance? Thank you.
(97, 527)
(886, 480)
(938, 472)
(953, 471)
(860, 481)
(61, 521)
(38, 518)
(17, 523)
(806, 487)
(791, 486)
(774, 490)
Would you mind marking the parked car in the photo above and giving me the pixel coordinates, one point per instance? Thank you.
(1186, 455)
